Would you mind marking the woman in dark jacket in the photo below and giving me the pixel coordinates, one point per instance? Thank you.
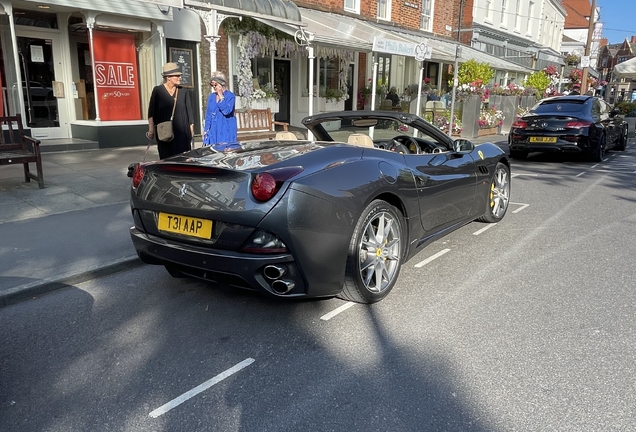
(160, 109)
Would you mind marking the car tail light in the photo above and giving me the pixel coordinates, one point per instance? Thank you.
(264, 242)
(266, 184)
(578, 124)
(138, 175)
(520, 124)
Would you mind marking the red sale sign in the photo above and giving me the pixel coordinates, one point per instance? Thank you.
(116, 79)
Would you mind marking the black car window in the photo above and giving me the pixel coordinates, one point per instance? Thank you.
(560, 106)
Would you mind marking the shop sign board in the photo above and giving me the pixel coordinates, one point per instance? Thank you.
(116, 79)
(391, 46)
(183, 58)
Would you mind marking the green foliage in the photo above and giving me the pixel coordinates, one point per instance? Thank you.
(474, 72)
(538, 80)
(626, 108)
(334, 95)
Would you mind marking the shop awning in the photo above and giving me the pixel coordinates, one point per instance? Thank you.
(338, 31)
(626, 69)
(283, 11)
(444, 50)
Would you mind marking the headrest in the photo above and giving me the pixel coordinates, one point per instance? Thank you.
(360, 140)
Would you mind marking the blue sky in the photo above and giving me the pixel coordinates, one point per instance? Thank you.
(618, 18)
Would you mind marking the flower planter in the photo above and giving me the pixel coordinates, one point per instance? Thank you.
(528, 101)
(470, 116)
(270, 103)
(487, 131)
(333, 105)
(509, 106)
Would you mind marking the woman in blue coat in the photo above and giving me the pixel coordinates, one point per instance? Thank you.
(220, 122)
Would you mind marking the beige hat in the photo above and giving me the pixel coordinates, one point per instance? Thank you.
(170, 69)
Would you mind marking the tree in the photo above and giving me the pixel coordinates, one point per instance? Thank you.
(474, 72)
(539, 80)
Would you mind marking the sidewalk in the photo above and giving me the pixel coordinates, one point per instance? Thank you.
(76, 228)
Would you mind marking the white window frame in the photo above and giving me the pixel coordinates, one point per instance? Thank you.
(430, 16)
(504, 15)
(530, 19)
(488, 15)
(355, 8)
(517, 15)
(388, 10)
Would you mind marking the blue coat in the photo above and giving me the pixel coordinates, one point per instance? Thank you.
(220, 122)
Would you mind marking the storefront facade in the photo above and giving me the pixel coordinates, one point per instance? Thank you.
(85, 75)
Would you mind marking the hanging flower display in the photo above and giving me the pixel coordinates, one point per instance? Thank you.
(258, 40)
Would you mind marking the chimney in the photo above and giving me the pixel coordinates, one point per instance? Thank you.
(604, 42)
(633, 39)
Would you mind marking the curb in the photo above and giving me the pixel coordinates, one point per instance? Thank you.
(44, 286)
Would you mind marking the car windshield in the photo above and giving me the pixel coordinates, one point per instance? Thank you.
(561, 106)
(384, 130)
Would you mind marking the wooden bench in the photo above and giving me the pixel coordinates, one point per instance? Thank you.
(256, 124)
(15, 148)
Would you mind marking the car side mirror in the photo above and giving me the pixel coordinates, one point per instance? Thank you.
(462, 145)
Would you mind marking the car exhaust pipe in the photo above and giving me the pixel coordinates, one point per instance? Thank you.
(282, 286)
(274, 272)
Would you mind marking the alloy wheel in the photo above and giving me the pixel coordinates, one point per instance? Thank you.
(379, 252)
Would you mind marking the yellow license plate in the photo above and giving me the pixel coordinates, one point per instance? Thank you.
(543, 139)
(185, 225)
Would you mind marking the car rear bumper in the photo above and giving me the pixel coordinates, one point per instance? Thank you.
(229, 268)
(545, 148)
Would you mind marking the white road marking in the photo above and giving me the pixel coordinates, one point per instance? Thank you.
(487, 227)
(520, 208)
(336, 311)
(580, 174)
(431, 258)
(200, 388)
(525, 174)
(594, 166)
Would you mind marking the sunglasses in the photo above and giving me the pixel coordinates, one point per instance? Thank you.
(214, 84)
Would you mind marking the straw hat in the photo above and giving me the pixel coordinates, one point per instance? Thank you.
(171, 69)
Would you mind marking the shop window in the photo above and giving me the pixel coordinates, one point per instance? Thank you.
(384, 70)
(262, 71)
(30, 18)
(328, 78)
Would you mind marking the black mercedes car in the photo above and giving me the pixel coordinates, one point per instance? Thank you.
(336, 215)
(576, 124)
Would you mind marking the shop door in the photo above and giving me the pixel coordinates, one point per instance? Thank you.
(282, 83)
(41, 73)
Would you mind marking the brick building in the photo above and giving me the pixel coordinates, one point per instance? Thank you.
(611, 55)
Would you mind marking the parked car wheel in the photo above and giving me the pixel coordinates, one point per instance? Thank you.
(498, 195)
(519, 155)
(622, 142)
(598, 154)
(375, 254)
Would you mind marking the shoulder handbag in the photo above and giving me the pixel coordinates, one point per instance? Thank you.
(164, 129)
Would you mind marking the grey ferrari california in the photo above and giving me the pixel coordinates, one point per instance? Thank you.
(336, 215)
